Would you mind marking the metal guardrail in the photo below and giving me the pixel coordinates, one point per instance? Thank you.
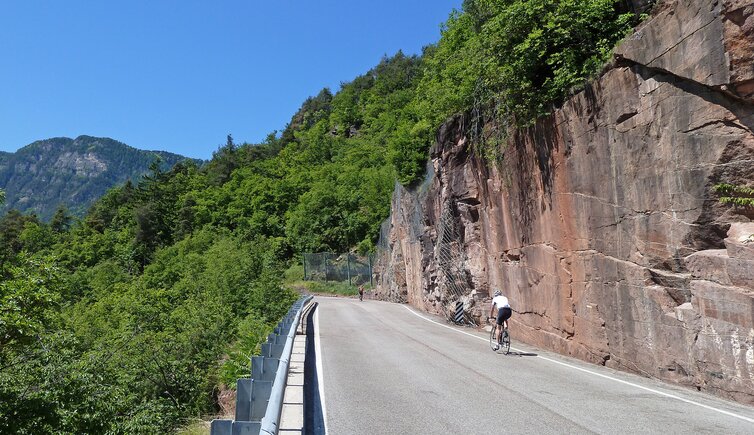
(259, 399)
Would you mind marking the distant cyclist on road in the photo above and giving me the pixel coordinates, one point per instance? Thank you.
(503, 313)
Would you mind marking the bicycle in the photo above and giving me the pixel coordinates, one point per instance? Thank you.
(505, 340)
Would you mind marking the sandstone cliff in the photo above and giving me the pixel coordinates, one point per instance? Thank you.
(601, 223)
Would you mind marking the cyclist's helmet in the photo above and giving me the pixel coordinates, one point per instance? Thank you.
(498, 292)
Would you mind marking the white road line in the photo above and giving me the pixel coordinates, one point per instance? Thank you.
(691, 402)
(320, 367)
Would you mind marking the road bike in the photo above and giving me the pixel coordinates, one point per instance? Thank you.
(504, 344)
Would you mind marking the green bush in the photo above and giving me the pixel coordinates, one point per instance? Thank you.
(740, 196)
(294, 273)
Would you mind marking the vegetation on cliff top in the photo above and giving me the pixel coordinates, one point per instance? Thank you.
(511, 61)
(132, 319)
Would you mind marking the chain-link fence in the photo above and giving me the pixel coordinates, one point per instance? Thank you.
(351, 268)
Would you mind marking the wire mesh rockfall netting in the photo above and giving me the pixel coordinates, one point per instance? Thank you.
(451, 284)
(326, 266)
(450, 258)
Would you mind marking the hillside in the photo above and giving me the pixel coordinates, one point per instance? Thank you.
(74, 172)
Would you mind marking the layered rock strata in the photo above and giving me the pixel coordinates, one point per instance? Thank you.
(601, 223)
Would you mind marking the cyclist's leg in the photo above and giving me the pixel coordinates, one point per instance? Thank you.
(500, 321)
(505, 314)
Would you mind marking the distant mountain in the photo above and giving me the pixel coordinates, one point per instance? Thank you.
(74, 172)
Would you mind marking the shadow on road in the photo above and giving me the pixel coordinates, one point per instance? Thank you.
(314, 420)
(522, 354)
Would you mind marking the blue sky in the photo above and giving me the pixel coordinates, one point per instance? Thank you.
(180, 75)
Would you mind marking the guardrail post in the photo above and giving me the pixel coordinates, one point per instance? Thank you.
(246, 428)
(264, 368)
(348, 265)
(221, 427)
(371, 282)
(260, 396)
(243, 399)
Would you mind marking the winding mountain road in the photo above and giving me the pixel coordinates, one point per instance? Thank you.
(386, 368)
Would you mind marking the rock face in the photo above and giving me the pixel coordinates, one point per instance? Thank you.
(601, 223)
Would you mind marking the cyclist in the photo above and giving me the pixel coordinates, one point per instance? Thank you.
(503, 313)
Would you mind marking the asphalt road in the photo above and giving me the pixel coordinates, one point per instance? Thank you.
(388, 369)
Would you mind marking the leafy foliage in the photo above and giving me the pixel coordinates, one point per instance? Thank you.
(740, 196)
(27, 296)
(186, 308)
(515, 59)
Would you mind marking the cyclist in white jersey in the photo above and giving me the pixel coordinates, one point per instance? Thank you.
(503, 312)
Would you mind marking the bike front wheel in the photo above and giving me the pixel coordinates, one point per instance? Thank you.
(493, 338)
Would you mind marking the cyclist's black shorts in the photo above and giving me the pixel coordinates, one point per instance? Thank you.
(503, 314)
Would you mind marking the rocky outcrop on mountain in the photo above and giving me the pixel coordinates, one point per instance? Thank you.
(72, 172)
(601, 223)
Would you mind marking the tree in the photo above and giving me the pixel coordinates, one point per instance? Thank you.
(61, 220)
(313, 110)
(11, 227)
(148, 231)
(224, 161)
(36, 236)
(25, 302)
(186, 216)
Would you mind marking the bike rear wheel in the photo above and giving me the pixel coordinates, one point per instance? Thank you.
(505, 345)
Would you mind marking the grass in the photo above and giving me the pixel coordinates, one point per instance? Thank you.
(197, 427)
(294, 274)
(332, 288)
(294, 277)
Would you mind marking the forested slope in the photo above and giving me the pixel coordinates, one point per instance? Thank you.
(134, 318)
